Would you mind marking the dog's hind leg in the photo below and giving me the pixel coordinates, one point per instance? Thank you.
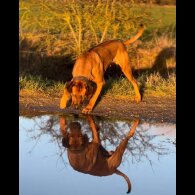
(122, 60)
(115, 160)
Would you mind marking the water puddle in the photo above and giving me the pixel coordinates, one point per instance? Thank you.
(149, 158)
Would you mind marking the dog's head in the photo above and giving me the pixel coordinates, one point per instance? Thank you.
(75, 140)
(79, 91)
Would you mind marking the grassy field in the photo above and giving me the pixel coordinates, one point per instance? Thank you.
(71, 28)
(165, 16)
(152, 85)
(54, 33)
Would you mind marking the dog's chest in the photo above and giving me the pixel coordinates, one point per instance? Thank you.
(78, 161)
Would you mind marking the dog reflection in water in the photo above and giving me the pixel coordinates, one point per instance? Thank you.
(91, 157)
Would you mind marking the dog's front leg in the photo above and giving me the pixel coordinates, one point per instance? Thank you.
(93, 100)
(94, 129)
(63, 125)
(133, 128)
(64, 100)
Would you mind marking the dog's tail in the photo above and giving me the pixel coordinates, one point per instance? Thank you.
(140, 32)
(126, 178)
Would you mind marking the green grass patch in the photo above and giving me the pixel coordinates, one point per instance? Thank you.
(152, 84)
(165, 16)
(38, 84)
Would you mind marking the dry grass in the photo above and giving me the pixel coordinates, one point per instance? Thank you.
(152, 84)
(53, 29)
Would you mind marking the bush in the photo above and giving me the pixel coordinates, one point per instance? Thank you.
(71, 27)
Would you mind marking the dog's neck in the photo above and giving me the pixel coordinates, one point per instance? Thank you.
(85, 79)
(81, 78)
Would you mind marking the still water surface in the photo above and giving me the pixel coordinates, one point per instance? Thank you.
(149, 159)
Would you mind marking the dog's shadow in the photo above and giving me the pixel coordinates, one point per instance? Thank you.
(39, 64)
(164, 65)
(161, 63)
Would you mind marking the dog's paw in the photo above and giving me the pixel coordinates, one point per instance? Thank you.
(86, 110)
(138, 99)
(133, 128)
(136, 122)
(63, 103)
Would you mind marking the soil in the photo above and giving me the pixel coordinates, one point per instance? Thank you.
(156, 109)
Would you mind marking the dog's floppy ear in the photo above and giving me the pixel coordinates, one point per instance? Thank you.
(89, 91)
(69, 86)
(86, 139)
(65, 141)
(66, 95)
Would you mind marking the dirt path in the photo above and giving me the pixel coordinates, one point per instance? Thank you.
(157, 109)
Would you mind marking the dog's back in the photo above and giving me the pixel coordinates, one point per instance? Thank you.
(88, 60)
(108, 50)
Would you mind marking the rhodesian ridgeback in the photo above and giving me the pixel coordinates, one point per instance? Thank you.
(91, 157)
(91, 66)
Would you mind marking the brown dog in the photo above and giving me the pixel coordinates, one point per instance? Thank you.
(91, 157)
(92, 65)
